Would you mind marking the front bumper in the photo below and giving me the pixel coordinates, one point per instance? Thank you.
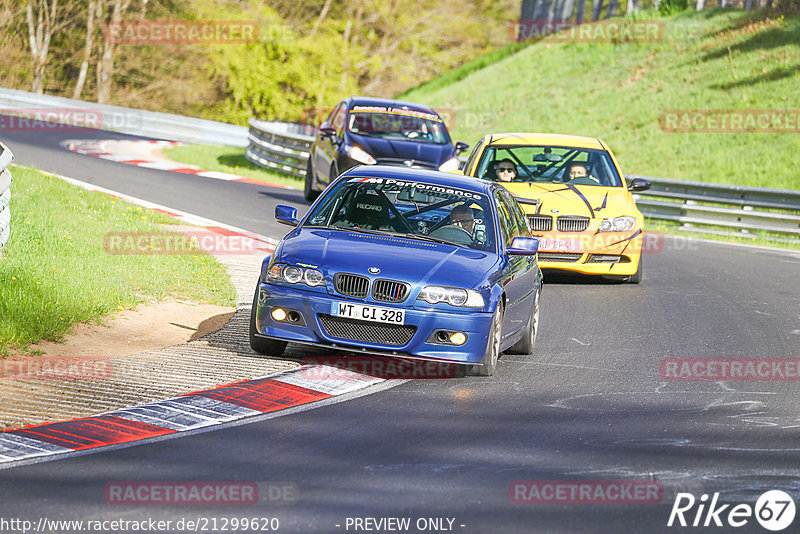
(611, 253)
(314, 307)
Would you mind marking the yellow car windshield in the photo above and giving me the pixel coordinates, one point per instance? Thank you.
(552, 164)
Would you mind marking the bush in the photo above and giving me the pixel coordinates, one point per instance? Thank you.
(671, 7)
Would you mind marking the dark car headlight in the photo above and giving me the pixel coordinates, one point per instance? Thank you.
(360, 155)
(452, 164)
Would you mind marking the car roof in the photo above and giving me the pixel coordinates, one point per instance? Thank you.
(387, 102)
(576, 141)
(459, 181)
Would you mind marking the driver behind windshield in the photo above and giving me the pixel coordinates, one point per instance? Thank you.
(505, 170)
(462, 216)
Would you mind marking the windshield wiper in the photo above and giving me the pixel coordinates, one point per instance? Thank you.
(428, 238)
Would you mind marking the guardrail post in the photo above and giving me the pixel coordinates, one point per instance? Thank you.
(6, 157)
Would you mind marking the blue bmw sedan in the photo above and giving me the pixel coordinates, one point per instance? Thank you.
(403, 262)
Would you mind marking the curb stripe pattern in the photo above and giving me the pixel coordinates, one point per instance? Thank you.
(99, 149)
(195, 410)
(302, 385)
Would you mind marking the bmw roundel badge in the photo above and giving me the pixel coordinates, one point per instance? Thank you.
(374, 270)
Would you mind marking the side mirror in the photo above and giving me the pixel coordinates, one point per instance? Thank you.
(639, 184)
(461, 147)
(523, 246)
(286, 215)
(326, 130)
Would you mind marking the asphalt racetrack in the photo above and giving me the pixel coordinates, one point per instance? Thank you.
(451, 455)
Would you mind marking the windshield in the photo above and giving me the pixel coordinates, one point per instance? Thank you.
(554, 164)
(409, 208)
(389, 123)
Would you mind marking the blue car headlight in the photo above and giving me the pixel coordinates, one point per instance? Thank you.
(292, 274)
(617, 224)
(455, 296)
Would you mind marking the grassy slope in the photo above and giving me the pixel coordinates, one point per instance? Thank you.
(56, 273)
(708, 60)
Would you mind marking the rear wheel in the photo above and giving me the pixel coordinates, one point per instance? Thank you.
(269, 347)
(525, 345)
(493, 347)
(309, 192)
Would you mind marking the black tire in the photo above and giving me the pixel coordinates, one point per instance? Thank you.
(262, 345)
(526, 343)
(636, 277)
(493, 346)
(308, 190)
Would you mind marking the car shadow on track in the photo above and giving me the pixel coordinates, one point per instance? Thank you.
(562, 277)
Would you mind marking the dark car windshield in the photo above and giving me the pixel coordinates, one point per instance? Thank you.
(390, 123)
(555, 164)
(417, 210)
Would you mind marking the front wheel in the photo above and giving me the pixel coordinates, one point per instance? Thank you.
(268, 347)
(493, 347)
(636, 277)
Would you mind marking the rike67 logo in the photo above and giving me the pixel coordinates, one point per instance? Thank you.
(774, 510)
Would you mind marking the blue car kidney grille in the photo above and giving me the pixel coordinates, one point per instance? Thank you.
(376, 333)
(389, 291)
(351, 285)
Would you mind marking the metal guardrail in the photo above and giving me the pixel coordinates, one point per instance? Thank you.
(129, 120)
(730, 207)
(285, 147)
(6, 157)
(281, 146)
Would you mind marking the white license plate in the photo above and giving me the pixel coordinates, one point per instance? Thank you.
(548, 244)
(368, 313)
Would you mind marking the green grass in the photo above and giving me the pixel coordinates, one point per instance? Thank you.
(228, 159)
(714, 59)
(462, 71)
(55, 271)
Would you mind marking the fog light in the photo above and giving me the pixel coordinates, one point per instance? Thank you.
(278, 314)
(458, 338)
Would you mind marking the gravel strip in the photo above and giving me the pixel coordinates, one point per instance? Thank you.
(216, 359)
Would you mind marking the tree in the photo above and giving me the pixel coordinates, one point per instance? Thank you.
(93, 12)
(111, 11)
(43, 21)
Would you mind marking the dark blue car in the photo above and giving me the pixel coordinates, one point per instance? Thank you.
(403, 262)
(370, 131)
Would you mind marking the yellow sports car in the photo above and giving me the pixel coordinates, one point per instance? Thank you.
(575, 199)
